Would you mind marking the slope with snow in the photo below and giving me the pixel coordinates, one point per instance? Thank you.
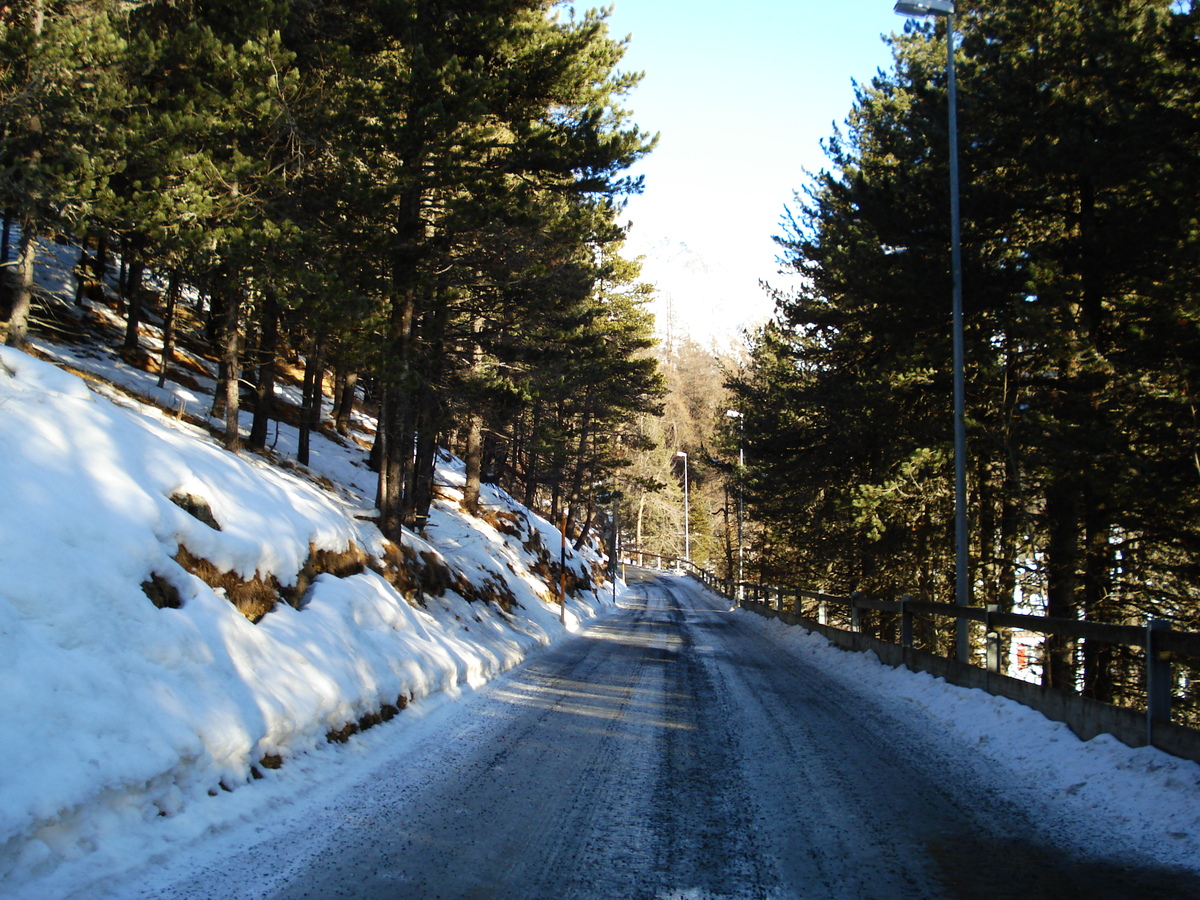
(118, 712)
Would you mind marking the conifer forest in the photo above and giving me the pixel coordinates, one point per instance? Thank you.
(419, 196)
(1080, 184)
(424, 198)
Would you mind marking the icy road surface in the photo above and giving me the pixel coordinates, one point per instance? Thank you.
(667, 751)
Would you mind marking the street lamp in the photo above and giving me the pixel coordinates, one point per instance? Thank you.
(687, 531)
(922, 9)
(737, 416)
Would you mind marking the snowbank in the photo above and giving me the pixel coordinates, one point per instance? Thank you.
(1120, 797)
(116, 710)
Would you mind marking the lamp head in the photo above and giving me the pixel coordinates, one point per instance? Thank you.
(920, 9)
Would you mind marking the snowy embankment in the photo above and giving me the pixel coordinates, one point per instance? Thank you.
(133, 689)
(1119, 798)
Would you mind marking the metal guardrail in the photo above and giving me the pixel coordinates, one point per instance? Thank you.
(1159, 643)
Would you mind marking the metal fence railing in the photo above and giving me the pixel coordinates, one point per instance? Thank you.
(1168, 657)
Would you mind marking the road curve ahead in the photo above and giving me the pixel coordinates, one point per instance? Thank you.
(669, 751)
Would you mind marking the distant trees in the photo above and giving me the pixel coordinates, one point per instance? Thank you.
(652, 484)
(1078, 129)
(421, 194)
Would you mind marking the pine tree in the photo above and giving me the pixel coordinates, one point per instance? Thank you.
(209, 146)
(59, 83)
(466, 102)
(1091, 144)
(1079, 179)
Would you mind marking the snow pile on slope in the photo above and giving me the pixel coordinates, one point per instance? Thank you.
(116, 710)
(1120, 797)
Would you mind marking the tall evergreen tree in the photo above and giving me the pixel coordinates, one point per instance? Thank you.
(468, 97)
(59, 84)
(1079, 179)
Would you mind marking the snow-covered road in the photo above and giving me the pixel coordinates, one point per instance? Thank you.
(672, 749)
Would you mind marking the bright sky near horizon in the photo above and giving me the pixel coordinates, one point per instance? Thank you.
(742, 94)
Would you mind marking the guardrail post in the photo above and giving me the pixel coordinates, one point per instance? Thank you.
(993, 639)
(1158, 680)
(906, 623)
(855, 614)
(822, 613)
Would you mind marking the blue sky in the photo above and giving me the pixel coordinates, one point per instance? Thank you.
(743, 94)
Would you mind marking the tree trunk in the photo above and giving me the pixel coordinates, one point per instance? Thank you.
(1099, 562)
(132, 293)
(81, 269)
(100, 260)
(555, 492)
(925, 635)
(226, 398)
(348, 382)
(497, 459)
(233, 438)
(216, 305)
(267, 359)
(1010, 529)
(122, 280)
(395, 422)
(727, 531)
(587, 525)
(532, 461)
(310, 406)
(1010, 524)
(638, 531)
(987, 529)
(1062, 561)
(400, 382)
(22, 301)
(6, 235)
(555, 475)
(424, 468)
(474, 449)
(430, 410)
(474, 462)
(395, 443)
(581, 467)
(168, 347)
(378, 446)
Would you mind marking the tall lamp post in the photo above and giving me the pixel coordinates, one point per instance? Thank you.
(687, 530)
(616, 541)
(737, 416)
(922, 9)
